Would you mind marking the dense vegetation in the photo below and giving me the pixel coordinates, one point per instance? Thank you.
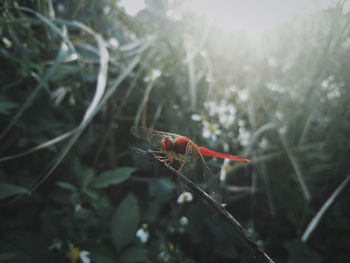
(76, 75)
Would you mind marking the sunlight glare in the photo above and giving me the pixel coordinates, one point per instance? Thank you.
(132, 7)
(252, 17)
(255, 16)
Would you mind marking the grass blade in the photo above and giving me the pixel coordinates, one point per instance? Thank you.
(314, 222)
(297, 169)
(62, 54)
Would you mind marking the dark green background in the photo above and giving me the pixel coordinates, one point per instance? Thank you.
(91, 191)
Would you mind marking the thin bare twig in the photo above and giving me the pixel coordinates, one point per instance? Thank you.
(257, 250)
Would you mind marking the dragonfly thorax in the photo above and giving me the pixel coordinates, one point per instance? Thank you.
(167, 144)
(179, 146)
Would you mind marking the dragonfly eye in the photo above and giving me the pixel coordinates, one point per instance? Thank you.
(167, 144)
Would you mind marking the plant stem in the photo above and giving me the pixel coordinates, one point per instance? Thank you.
(257, 250)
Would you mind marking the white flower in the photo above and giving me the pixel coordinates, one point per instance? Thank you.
(210, 130)
(243, 94)
(232, 89)
(332, 88)
(241, 123)
(58, 95)
(331, 78)
(143, 233)
(225, 168)
(227, 120)
(74, 254)
(174, 15)
(152, 75)
(113, 42)
(325, 83)
(211, 106)
(274, 87)
(185, 197)
(183, 221)
(7, 42)
(279, 115)
(163, 256)
(243, 136)
(84, 256)
(226, 113)
(197, 117)
(283, 130)
(106, 9)
(264, 143)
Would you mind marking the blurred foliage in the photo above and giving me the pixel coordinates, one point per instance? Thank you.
(75, 187)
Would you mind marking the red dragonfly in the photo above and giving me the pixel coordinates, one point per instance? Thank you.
(180, 147)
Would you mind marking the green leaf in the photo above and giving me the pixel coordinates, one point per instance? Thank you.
(162, 189)
(91, 194)
(134, 255)
(83, 175)
(63, 72)
(99, 252)
(78, 172)
(4, 257)
(66, 185)
(299, 252)
(5, 106)
(87, 179)
(7, 190)
(125, 222)
(116, 176)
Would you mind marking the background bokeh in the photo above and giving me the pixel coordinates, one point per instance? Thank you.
(76, 75)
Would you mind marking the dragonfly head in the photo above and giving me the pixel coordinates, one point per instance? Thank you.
(167, 144)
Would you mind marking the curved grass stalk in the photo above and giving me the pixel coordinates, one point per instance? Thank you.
(62, 54)
(72, 132)
(52, 26)
(317, 218)
(297, 169)
(91, 110)
(143, 106)
(99, 100)
(90, 113)
(256, 134)
(40, 146)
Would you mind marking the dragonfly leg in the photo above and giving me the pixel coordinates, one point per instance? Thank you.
(159, 153)
(164, 152)
(159, 156)
(182, 161)
(168, 159)
(163, 157)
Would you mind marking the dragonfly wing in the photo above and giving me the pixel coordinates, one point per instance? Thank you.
(212, 184)
(151, 135)
(187, 162)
